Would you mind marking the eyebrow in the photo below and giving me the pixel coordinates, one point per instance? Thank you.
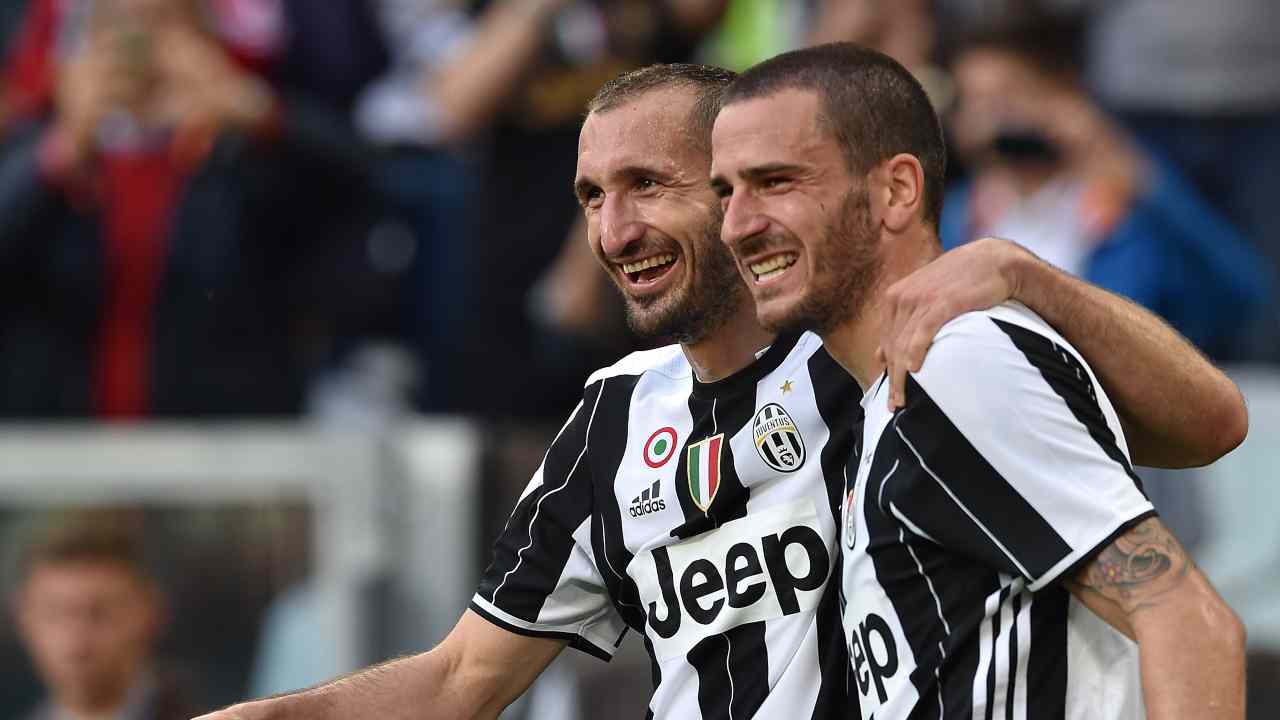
(760, 172)
(756, 174)
(582, 184)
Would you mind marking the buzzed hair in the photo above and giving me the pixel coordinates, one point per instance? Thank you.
(707, 82)
(873, 106)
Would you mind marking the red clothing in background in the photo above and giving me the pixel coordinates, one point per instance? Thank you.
(139, 191)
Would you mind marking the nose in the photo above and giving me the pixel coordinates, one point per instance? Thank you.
(619, 227)
(742, 219)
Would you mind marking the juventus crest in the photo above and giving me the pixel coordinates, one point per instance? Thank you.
(778, 439)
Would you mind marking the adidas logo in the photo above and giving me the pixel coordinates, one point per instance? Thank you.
(649, 501)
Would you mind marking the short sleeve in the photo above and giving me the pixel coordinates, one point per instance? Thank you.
(543, 580)
(1009, 452)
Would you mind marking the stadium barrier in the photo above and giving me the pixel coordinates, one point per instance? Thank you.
(391, 514)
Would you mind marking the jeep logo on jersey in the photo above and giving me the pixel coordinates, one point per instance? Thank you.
(874, 655)
(771, 563)
(660, 446)
(777, 439)
(704, 470)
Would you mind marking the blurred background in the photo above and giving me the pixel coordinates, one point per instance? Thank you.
(293, 296)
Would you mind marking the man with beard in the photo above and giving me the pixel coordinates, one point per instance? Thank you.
(694, 495)
(985, 518)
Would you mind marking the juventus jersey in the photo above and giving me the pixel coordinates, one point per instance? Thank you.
(1005, 472)
(703, 516)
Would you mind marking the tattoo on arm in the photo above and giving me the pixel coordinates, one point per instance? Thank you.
(1138, 569)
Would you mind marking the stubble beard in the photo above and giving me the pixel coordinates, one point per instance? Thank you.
(687, 315)
(839, 293)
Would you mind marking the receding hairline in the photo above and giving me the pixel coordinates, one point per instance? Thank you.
(705, 84)
(702, 80)
(642, 96)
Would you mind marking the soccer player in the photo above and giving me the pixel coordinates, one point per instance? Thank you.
(1000, 558)
(694, 496)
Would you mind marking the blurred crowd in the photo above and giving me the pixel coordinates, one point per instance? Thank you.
(360, 208)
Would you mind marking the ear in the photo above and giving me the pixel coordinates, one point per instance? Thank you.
(899, 188)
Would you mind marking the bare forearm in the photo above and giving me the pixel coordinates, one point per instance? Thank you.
(1193, 663)
(472, 87)
(1191, 644)
(1179, 410)
(405, 689)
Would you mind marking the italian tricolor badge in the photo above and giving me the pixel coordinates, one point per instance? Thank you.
(704, 470)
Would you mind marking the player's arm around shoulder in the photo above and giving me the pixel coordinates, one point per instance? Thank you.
(473, 674)
(1135, 354)
(1191, 644)
(1029, 407)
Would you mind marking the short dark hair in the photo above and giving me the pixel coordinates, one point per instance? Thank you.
(873, 106)
(707, 82)
(86, 537)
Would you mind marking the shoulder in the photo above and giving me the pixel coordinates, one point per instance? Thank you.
(1003, 329)
(1007, 369)
(992, 358)
(668, 361)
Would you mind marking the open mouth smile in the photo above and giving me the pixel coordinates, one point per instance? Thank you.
(648, 270)
(770, 268)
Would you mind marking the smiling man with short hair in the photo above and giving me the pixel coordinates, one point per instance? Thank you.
(1000, 557)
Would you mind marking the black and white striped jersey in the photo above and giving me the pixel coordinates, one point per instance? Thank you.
(704, 516)
(1006, 470)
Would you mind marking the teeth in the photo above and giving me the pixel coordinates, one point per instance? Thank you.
(773, 266)
(652, 262)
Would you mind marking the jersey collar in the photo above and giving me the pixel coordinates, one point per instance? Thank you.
(745, 379)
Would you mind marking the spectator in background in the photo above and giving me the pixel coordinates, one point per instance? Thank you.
(155, 214)
(523, 72)
(1051, 170)
(89, 614)
(1200, 81)
(418, 244)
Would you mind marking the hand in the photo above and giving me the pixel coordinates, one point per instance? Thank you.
(203, 88)
(975, 276)
(95, 81)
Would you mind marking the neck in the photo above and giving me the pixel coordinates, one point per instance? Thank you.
(853, 342)
(729, 348)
